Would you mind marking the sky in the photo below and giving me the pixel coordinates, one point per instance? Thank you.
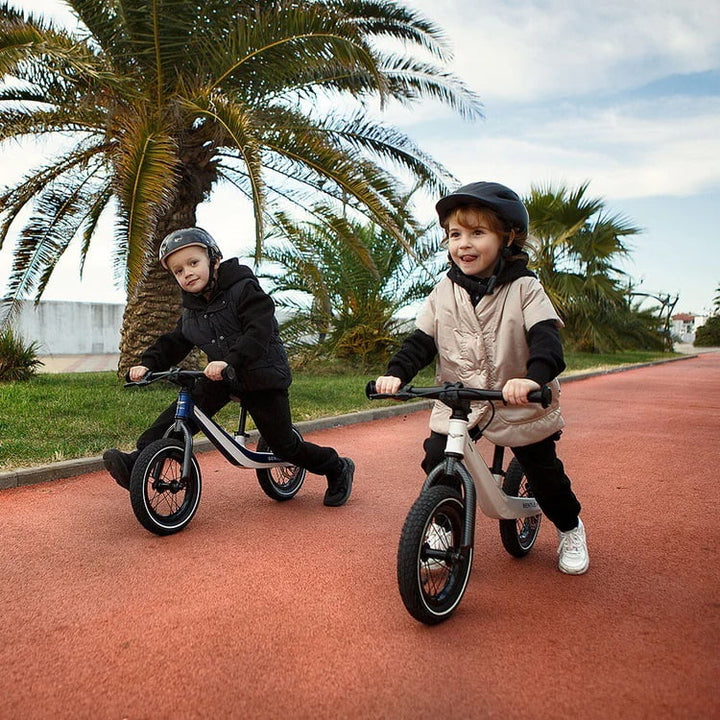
(623, 94)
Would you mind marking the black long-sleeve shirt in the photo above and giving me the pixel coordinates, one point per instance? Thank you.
(545, 360)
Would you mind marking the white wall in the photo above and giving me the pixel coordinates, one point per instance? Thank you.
(71, 328)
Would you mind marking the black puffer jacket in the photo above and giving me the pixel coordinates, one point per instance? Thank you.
(237, 324)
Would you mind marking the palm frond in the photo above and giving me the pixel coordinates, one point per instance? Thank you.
(147, 171)
(60, 211)
(15, 198)
(276, 43)
(238, 129)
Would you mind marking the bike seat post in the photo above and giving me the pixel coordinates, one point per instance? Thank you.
(498, 457)
(241, 435)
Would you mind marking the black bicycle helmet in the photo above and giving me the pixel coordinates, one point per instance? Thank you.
(504, 201)
(187, 237)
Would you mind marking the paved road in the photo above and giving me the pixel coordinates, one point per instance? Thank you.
(266, 610)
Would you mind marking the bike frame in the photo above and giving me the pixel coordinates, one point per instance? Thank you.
(481, 486)
(234, 451)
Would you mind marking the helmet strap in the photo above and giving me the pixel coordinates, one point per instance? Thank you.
(499, 266)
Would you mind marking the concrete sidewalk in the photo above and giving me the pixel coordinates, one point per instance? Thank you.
(53, 364)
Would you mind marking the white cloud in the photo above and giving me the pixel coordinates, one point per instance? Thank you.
(551, 74)
(524, 50)
(636, 149)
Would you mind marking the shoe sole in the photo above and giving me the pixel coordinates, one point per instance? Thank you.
(346, 496)
(573, 571)
(118, 471)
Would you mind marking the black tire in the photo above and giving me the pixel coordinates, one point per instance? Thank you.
(280, 483)
(162, 502)
(518, 536)
(431, 588)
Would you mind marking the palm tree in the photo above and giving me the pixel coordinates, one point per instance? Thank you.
(344, 281)
(575, 247)
(164, 99)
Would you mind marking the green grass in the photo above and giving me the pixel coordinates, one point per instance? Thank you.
(62, 417)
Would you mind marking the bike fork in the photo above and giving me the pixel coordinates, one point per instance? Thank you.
(453, 467)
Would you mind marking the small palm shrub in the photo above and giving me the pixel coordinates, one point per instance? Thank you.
(18, 360)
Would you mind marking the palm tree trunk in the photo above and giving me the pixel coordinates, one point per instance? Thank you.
(154, 304)
(152, 310)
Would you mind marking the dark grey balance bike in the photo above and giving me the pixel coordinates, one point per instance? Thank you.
(435, 552)
(165, 483)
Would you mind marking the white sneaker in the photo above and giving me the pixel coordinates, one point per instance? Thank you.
(573, 552)
(437, 538)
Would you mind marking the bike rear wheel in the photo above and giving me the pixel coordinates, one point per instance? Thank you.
(432, 569)
(163, 501)
(518, 536)
(282, 482)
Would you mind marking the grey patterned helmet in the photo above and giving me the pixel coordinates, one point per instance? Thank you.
(187, 237)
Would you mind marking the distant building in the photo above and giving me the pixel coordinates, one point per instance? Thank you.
(684, 326)
(70, 328)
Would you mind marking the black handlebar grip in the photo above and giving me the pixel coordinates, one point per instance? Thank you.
(229, 374)
(542, 396)
(370, 389)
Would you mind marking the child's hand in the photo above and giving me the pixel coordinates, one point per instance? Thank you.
(515, 391)
(214, 369)
(387, 384)
(137, 372)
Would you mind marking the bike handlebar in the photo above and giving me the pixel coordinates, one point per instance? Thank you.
(178, 375)
(454, 392)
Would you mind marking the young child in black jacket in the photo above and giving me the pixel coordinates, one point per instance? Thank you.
(230, 318)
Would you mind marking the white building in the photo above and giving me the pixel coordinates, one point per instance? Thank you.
(684, 326)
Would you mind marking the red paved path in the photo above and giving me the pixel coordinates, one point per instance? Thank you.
(265, 610)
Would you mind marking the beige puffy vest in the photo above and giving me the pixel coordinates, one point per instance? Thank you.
(484, 347)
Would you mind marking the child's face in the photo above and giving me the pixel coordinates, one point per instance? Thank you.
(190, 266)
(474, 246)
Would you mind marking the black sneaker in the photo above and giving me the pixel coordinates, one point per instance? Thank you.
(119, 465)
(340, 486)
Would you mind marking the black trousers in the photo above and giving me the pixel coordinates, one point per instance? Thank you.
(544, 471)
(270, 410)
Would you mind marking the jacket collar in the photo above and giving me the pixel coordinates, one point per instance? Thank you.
(478, 287)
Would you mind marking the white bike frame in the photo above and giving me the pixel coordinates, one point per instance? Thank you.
(233, 449)
(480, 486)
(491, 498)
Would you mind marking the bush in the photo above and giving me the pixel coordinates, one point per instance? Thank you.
(708, 335)
(18, 360)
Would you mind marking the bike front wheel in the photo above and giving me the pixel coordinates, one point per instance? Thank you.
(163, 501)
(281, 482)
(432, 568)
(518, 536)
